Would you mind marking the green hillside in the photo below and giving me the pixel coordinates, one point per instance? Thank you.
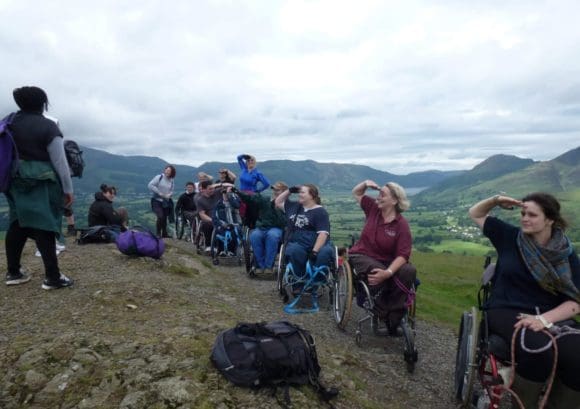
(131, 174)
(508, 174)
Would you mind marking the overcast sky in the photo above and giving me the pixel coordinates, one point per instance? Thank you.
(401, 86)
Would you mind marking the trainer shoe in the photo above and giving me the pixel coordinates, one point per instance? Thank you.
(62, 282)
(21, 278)
(60, 247)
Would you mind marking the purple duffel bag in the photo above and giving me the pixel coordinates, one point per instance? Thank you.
(140, 242)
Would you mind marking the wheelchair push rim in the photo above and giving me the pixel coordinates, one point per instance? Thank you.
(342, 294)
(465, 365)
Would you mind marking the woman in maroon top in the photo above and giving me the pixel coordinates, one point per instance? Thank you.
(384, 248)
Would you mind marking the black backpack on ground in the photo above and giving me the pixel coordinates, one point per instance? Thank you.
(269, 354)
(74, 157)
(97, 234)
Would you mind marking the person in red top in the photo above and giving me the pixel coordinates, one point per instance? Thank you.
(384, 249)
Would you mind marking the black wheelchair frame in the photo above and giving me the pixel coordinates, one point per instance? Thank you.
(482, 362)
(347, 284)
(183, 227)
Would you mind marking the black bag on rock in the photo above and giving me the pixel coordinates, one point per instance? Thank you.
(269, 354)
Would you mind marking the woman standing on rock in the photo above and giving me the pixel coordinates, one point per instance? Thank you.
(536, 283)
(162, 187)
(251, 181)
(39, 191)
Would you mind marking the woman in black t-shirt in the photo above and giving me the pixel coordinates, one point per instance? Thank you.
(536, 284)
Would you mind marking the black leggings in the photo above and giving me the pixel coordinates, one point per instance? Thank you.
(536, 367)
(45, 241)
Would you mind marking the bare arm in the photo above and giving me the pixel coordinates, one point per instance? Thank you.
(567, 309)
(320, 241)
(279, 202)
(359, 190)
(203, 216)
(379, 275)
(480, 211)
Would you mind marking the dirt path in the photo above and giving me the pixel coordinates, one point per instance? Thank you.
(136, 333)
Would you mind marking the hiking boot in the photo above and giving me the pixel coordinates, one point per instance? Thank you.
(62, 282)
(21, 278)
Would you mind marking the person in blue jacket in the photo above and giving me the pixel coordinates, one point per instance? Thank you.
(251, 181)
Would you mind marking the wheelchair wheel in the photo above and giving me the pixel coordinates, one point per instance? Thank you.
(342, 294)
(280, 274)
(180, 223)
(192, 231)
(465, 365)
(248, 253)
(199, 240)
(213, 248)
(410, 353)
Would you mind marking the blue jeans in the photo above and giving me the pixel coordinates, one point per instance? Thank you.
(298, 255)
(265, 245)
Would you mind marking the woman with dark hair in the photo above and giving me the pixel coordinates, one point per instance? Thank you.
(382, 253)
(309, 228)
(536, 284)
(162, 187)
(39, 191)
(102, 213)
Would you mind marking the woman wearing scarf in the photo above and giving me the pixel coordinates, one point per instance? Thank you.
(536, 284)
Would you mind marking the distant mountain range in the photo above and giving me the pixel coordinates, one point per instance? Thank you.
(512, 176)
(131, 174)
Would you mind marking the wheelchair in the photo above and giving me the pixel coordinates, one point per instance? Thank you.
(185, 228)
(482, 362)
(227, 243)
(198, 237)
(316, 281)
(349, 285)
(249, 258)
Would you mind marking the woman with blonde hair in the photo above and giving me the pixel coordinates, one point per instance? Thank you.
(382, 253)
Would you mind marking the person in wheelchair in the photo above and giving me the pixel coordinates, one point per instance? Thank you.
(267, 235)
(205, 203)
(186, 204)
(381, 255)
(309, 228)
(535, 284)
(225, 217)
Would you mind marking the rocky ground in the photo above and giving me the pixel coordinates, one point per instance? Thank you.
(137, 333)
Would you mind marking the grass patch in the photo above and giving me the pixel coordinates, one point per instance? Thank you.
(461, 247)
(449, 285)
(181, 270)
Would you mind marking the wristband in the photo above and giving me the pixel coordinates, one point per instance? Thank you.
(390, 271)
(544, 321)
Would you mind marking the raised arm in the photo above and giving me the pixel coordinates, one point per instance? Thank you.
(242, 161)
(359, 190)
(480, 211)
(281, 199)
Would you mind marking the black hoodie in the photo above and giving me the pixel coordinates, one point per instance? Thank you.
(101, 212)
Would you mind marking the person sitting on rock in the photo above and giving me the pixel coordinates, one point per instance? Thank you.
(102, 213)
